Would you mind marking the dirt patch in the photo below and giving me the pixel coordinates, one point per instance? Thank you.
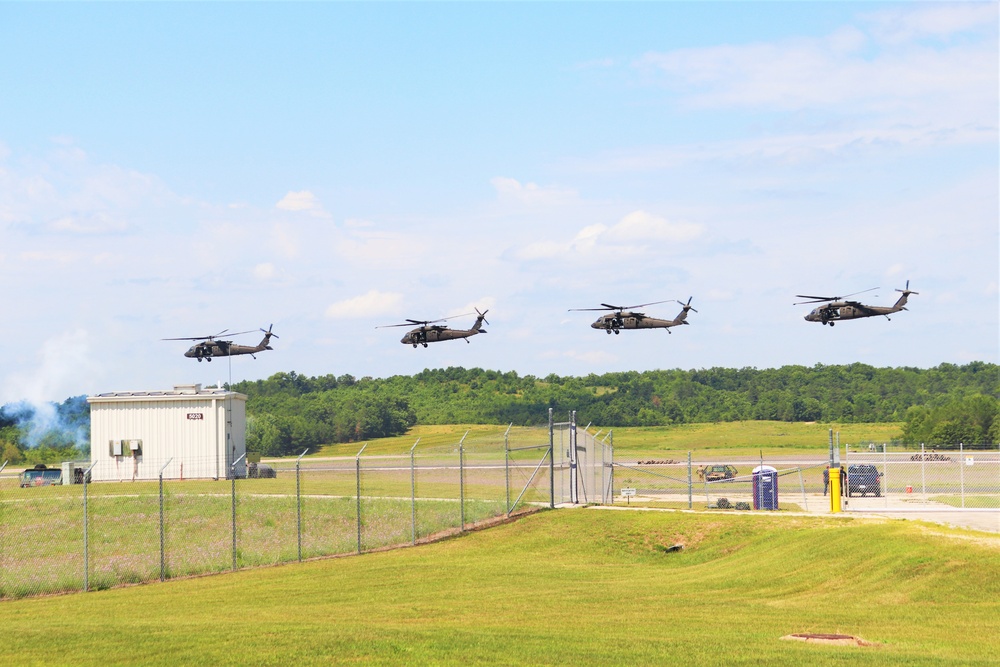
(831, 639)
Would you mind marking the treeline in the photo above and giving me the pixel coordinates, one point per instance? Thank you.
(289, 411)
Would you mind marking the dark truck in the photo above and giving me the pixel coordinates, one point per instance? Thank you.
(862, 479)
(41, 475)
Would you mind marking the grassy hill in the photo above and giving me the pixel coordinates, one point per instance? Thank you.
(720, 438)
(581, 587)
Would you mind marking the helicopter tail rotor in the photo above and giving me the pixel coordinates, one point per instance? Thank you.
(687, 306)
(907, 291)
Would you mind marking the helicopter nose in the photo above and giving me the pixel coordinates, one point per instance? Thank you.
(597, 325)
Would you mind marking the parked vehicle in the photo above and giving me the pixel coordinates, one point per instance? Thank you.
(41, 475)
(862, 479)
(717, 473)
(260, 471)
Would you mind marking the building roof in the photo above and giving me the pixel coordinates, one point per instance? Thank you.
(180, 391)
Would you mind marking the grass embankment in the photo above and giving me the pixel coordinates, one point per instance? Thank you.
(716, 440)
(583, 587)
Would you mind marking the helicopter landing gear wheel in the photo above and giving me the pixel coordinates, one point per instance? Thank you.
(832, 323)
(414, 346)
(425, 344)
(617, 332)
(607, 331)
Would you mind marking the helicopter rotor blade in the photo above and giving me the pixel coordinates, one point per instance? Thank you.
(818, 299)
(608, 306)
(640, 305)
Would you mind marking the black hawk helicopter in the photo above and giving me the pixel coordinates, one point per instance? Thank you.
(623, 317)
(839, 308)
(430, 332)
(211, 346)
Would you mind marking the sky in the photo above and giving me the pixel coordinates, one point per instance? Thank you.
(171, 170)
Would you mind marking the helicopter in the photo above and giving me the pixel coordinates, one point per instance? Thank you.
(838, 308)
(429, 331)
(624, 318)
(211, 346)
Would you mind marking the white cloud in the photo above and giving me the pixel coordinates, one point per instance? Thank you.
(849, 70)
(264, 271)
(939, 20)
(369, 304)
(531, 193)
(643, 226)
(52, 256)
(99, 222)
(382, 249)
(302, 201)
(629, 236)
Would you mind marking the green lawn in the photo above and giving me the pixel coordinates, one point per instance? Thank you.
(570, 587)
(715, 440)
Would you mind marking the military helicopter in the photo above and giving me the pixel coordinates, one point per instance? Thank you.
(211, 346)
(838, 308)
(429, 331)
(624, 318)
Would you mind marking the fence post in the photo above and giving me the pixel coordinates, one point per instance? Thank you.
(574, 472)
(413, 493)
(298, 503)
(961, 468)
(846, 493)
(86, 545)
(923, 472)
(611, 433)
(461, 479)
(802, 485)
(690, 484)
(885, 477)
(232, 475)
(506, 464)
(163, 556)
(552, 465)
(357, 472)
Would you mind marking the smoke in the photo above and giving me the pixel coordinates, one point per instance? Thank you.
(63, 360)
(56, 425)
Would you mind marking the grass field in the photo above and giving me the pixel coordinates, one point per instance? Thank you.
(714, 440)
(570, 587)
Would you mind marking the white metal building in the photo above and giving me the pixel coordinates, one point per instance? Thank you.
(189, 432)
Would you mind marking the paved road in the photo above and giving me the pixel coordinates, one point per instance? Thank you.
(895, 506)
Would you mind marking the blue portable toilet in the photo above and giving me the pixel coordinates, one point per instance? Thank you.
(765, 488)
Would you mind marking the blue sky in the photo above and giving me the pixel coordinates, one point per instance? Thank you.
(178, 169)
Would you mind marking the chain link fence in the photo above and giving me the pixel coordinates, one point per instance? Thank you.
(97, 535)
(887, 478)
(674, 479)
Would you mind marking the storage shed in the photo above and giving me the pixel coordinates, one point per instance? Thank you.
(189, 432)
